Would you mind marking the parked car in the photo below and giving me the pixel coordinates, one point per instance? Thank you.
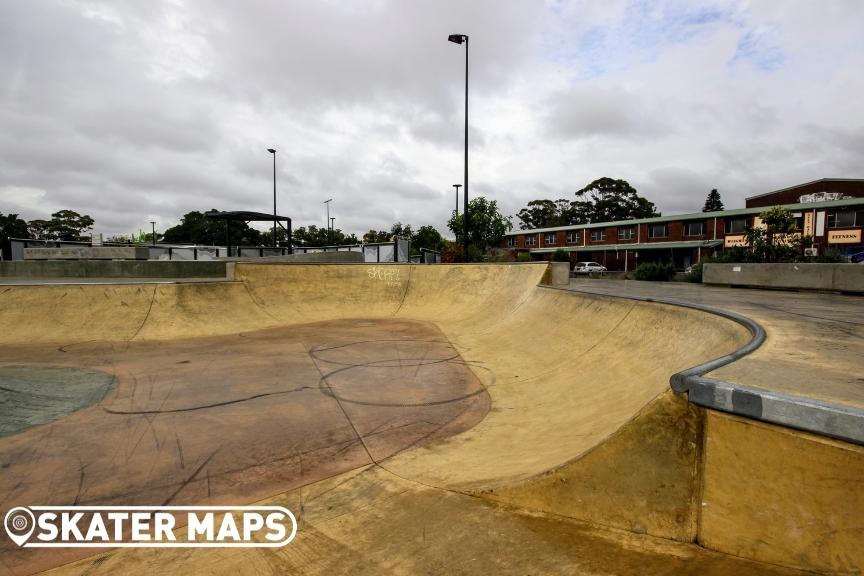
(589, 268)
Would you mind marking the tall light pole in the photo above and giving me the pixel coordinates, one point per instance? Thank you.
(459, 39)
(153, 224)
(327, 202)
(273, 152)
(457, 186)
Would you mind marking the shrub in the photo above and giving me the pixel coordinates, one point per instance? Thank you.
(656, 271)
(561, 256)
(828, 255)
(695, 274)
(524, 257)
(499, 255)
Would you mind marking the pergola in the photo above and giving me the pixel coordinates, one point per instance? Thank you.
(250, 217)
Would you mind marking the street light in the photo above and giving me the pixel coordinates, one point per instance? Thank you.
(459, 39)
(327, 202)
(457, 186)
(153, 224)
(273, 152)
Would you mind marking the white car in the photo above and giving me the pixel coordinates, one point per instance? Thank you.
(589, 268)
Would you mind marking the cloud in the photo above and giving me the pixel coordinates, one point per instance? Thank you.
(602, 111)
(133, 111)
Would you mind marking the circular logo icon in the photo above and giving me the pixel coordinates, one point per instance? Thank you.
(19, 523)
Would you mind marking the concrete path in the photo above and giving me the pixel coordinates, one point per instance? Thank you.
(815, 341)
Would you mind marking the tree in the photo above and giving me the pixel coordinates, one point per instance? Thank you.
(196, 228)
(547, 214)
(403, 230)
(776, 240)
(427, 237)
(38, 229)
(11, 226)
(377, 236)
(609, 200)
(315, 236)
(64, 225)
(424, 237)
(486, 226)
(713, 202)
(266, 238)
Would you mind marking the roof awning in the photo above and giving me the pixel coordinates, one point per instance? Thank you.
(246, 216)
(643, 246)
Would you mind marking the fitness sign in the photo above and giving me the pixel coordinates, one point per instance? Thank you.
(150, 526)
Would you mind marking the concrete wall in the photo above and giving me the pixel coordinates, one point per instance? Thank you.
(112, 269)
(88, 253)
(774, 494)
(558, 274)
(156, 268)
(839, 277)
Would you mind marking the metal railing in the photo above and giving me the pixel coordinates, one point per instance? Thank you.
(397, 250)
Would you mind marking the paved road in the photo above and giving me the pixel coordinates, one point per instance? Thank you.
(815, 343)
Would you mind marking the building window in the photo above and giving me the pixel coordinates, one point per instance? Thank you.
(598, 235)
(845, 218)
(530, 240)
(511, 241)
(694, 229)
(550, 239)
(657, 231)
(737, 225)
(572, 237)
(627, 233)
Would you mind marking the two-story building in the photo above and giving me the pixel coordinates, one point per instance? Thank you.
(831, 211)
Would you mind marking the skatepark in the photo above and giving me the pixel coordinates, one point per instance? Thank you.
(440, 419)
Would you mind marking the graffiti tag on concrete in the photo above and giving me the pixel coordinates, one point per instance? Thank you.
(384, 274)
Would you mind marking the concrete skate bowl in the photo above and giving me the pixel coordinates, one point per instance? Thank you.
(467, 378)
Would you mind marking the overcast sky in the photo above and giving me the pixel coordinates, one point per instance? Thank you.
(132, 111)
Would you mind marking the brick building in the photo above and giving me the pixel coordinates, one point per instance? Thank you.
(686, 239)
(824, 189)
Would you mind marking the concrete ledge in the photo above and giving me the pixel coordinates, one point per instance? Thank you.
(112, 269)
(807, 276)
(827, 419)
(88, 253)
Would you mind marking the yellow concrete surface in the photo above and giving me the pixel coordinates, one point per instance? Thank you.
(782, 496)
(370, 522)
(580, 412)
(644, 478)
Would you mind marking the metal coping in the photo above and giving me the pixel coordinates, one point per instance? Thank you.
(824, 418)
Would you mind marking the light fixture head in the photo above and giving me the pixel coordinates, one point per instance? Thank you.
(457, 38)
(271, 150)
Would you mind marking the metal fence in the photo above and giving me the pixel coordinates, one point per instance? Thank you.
(398, 250)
